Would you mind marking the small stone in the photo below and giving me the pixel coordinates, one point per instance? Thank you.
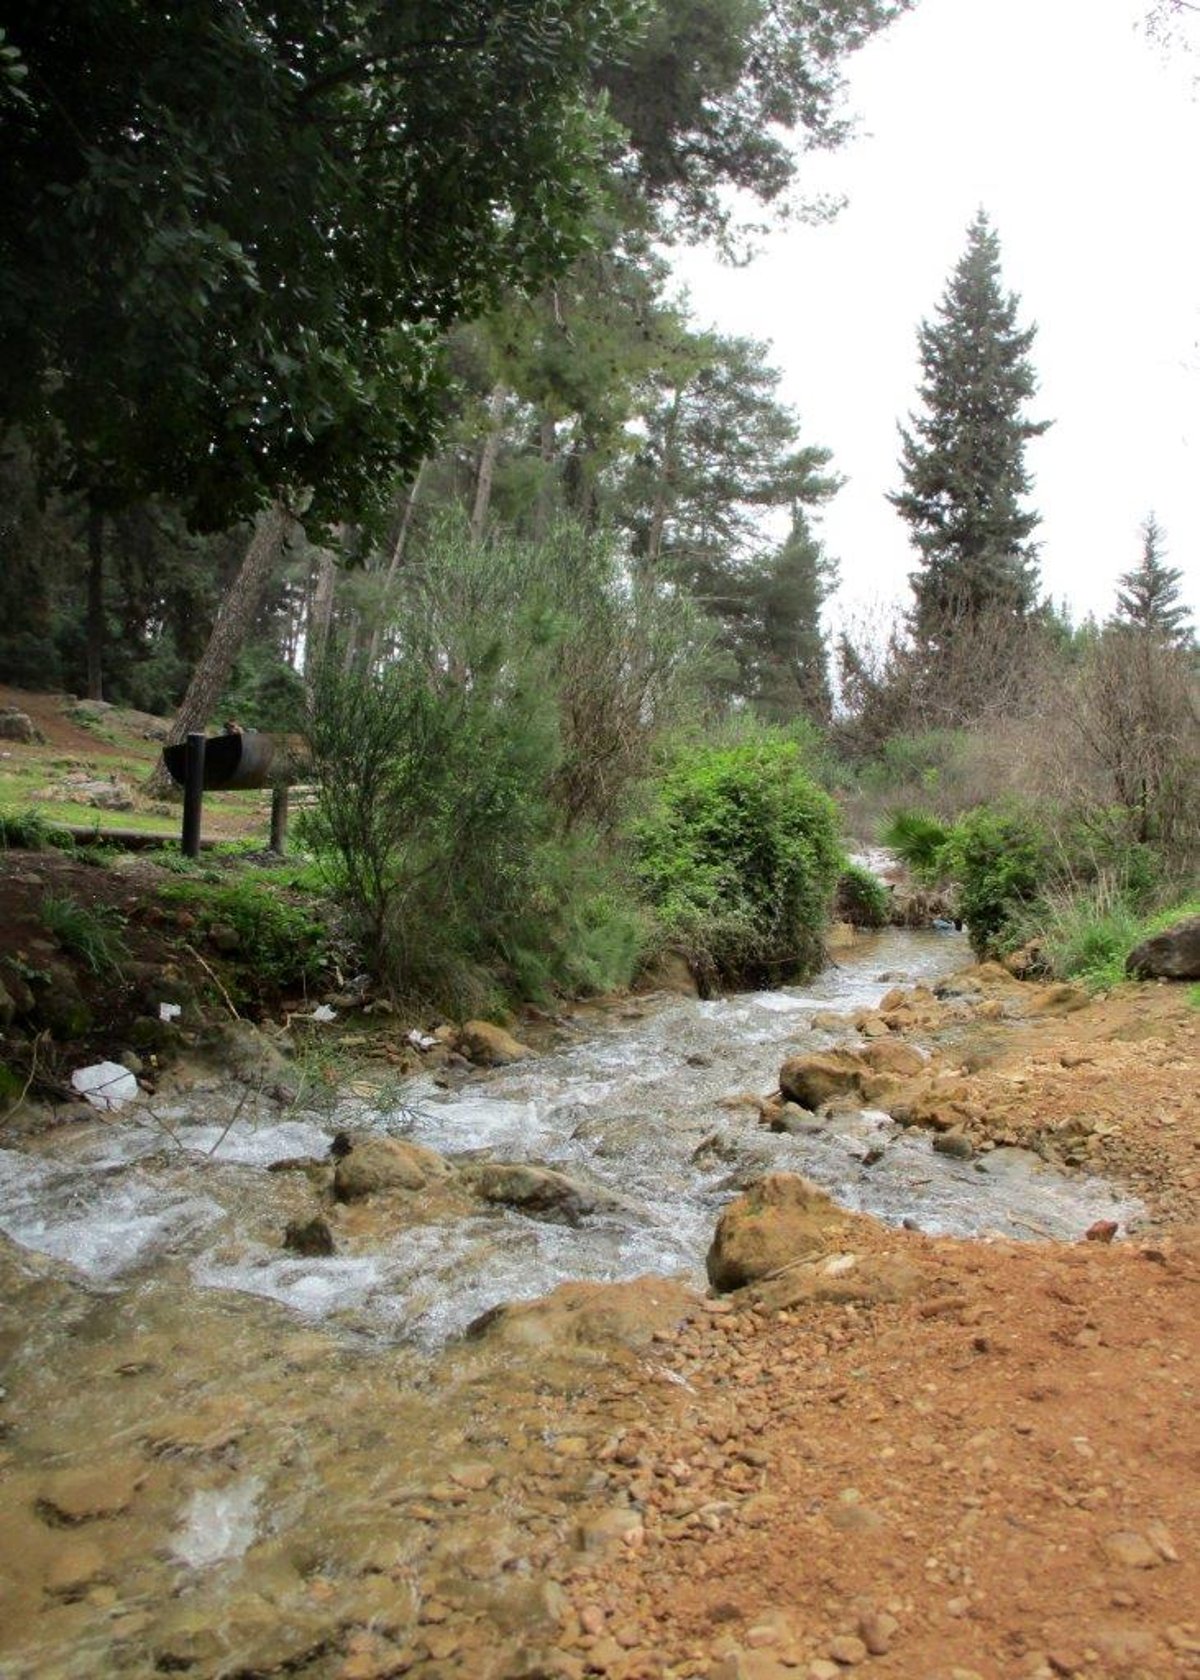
(1103, 1231)
(310, 1237)
(1159, 1536)
(1127, 1550)
(79, 1496)
(877, 1630)
(75, 1567)
(476, 1477)
(847, 1649)
(822, 1669)
(956, 1144)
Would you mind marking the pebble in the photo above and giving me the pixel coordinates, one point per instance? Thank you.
(1128, 1550)
(847, 1649)
(877, 1630)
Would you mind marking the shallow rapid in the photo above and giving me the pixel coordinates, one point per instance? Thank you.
(639, 1106)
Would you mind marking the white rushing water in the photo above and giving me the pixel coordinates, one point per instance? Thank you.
(637, 1110)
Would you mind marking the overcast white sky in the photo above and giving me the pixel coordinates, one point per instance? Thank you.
(1082, 142)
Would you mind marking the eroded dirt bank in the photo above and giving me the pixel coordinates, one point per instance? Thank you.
(914, 1456)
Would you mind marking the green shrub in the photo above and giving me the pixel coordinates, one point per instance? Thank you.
(471, 783)
(862, 898)
(739, 859)
(918, 840)
(999, 860)
(919, 761)
(92, 934)
(282, 945)
(29, 831)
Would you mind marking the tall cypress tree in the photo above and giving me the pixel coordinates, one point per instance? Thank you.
(963, 461)
(1148, 596)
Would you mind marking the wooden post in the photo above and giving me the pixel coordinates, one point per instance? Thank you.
(279, 818)
(193, 795)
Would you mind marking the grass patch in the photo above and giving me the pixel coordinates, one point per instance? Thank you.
(27, 831)
(91, 934)
(1088, 935)
(281, 945)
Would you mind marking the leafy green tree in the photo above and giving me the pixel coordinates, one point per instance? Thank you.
(963, 458)
(720, 451)
(231, 237)
(1148, 599)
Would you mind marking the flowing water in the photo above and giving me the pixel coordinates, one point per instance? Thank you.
(639, 1108)
(257, 1419)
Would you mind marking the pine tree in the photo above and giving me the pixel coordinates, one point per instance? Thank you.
(781, 646)
(963, 459)
(1148, 599)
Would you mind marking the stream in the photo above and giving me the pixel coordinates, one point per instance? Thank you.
(635, 1107)
(223, 1458)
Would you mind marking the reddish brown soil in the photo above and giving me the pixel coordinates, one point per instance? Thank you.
(48, 712)
(995, 1477)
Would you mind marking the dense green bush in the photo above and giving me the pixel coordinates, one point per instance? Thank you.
(862, 898)
(739, 858)
(284, 944)
(999, 859)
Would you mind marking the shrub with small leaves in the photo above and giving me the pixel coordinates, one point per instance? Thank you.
(739, 859)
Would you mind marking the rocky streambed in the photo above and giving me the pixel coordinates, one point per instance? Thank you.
(228, 1456)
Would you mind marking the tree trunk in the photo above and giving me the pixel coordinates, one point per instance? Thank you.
(95, 604)
(666, 478)
(487, 461)
(398, 547)
(548, 443)
(234, 618)
(320, 612)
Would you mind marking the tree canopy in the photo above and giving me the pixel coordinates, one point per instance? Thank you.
(231, 237)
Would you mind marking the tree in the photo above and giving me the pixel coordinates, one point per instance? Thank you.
(780, 645)
(1148, 599)
(232, 237)
(730, 93)
(963, 460)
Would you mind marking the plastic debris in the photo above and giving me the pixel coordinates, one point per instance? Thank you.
(323, 1013)
(422, 1041)
(169, 1011)
(106, 1085)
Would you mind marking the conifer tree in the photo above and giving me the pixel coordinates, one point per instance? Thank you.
(963, 461)
(1148, 597)
(781, 645)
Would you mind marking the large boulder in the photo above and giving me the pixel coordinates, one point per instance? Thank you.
(18, 726)
(817, 1078)
(781, 1219)
(488, 1045)
(538, 1191)
(367, 1165)
(1173, 954)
